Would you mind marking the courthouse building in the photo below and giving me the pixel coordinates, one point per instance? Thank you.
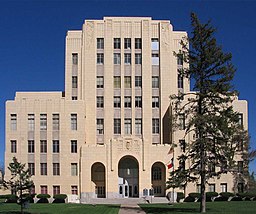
(108, 134)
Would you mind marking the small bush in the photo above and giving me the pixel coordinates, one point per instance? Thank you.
(227, 194)
(43, 196)
(189, 199)
(10, 198)
(180, 195)
(210, 195)
(195, 195)
(60, 196)
(221, 198)
(236, 198)
(43, 201)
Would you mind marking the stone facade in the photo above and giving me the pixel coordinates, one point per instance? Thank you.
(108, 135)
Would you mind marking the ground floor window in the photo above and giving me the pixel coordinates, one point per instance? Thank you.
(74, 190)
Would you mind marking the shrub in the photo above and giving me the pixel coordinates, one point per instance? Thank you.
(236, 198)
(43, 200)
(189, 199)
(29, 197)
(43, 196)
(195, 195)
(60, 196)
(10, 198)
(210, 195)
(221, 198)
(227, 194)
(180, 195)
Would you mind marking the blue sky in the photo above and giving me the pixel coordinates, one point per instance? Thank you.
(32, 39)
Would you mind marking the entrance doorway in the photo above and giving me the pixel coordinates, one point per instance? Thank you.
(98, 178)
(128, 177)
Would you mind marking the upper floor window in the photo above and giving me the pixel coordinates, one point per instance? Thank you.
(155, 82)
(55, 146)
(100, 126)
(155, 125)
(127, 102)
(55, 122)
(13, 146)
(31, 146)
(117, 102)
(138, 59)
(138, 43)
(179, 59)
(43, 168)
(117, 82)
(180, 81)
(128, 126)
(127, 82)
(127, 58)
(117, 58)
(117, 126)
(56, 169)
(138, 102)
(73, 121)
(74, 58)
(100, 43)
(43, 122)
(138, 81)
(127, 43)
(100, 102)
(155, 59)
(155, 102)
(74, 81)
(73, 146)
(100, 82)
(31, 122)
(117, 43)
(74, 169)
(31, 168)
(43, 146)
(13, 122)
(100, 58)
(154, 44)
(138, 126)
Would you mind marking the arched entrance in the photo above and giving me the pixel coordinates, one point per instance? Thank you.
(128, 177)
(158, 178)
(98, 178)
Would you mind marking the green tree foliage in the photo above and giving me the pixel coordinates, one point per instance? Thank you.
(20, 181)
(208, 110)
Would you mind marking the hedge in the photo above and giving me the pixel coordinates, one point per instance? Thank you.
(195, 195)
(60, 196)
(189, 199)
(43, 196)
(180, 195)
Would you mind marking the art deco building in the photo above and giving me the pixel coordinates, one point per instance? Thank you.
(108, 134)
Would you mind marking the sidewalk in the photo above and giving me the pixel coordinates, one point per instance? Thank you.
(130, 209)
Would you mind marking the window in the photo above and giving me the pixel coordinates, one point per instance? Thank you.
(13, 146)
(240, 187)
(155, 126)
(74, 97)
(138, 59)
(127, 102)
(100, 43)
(74, 58)
(182, 145)
(73, 121)
(73, 169)
(138, 43)
(128, 126)
(100, 102)
(180, 81)
(43, 146)
(100, 126)
(13, 122)
(73, 146)
(138, 102)
(100, 58)
(31, 168)
(127, 58)
(31, 146)
(117, 126)
(117, 102)
(43, 168)
(117, 43)
(156, 173)
(55, 146)
(100, 82)
(56, 169)
(117, 82)
(43, 122)
(117, 58)
(154, 44)
(74, 190)
(74, 81)
(31, 122)
(179, 59)
(157, 189)
(240, 119)
(44, 190)
(240, 166)
(211, 188)
(182, 121)
(55, 122)
(155, 102)
(138, 126)
(127, 82)
(56, 190)
(155, 59)
(155, 82)
(138, 81)
(223, 187)
(127, 43)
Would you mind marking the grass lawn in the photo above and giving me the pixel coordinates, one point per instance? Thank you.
(60, 208)
(230, 207)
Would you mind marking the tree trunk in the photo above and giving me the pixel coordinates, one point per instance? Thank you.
(203, 194)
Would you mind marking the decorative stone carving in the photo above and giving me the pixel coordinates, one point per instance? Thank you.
(165, 34)
(89, 33)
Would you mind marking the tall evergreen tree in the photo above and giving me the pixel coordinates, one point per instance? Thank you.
(20, 181)
(207, 109)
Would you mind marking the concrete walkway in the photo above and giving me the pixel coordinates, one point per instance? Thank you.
(130, 209)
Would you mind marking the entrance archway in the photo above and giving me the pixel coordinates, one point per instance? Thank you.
(128, 177)
(158, 178)
(98, 178)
